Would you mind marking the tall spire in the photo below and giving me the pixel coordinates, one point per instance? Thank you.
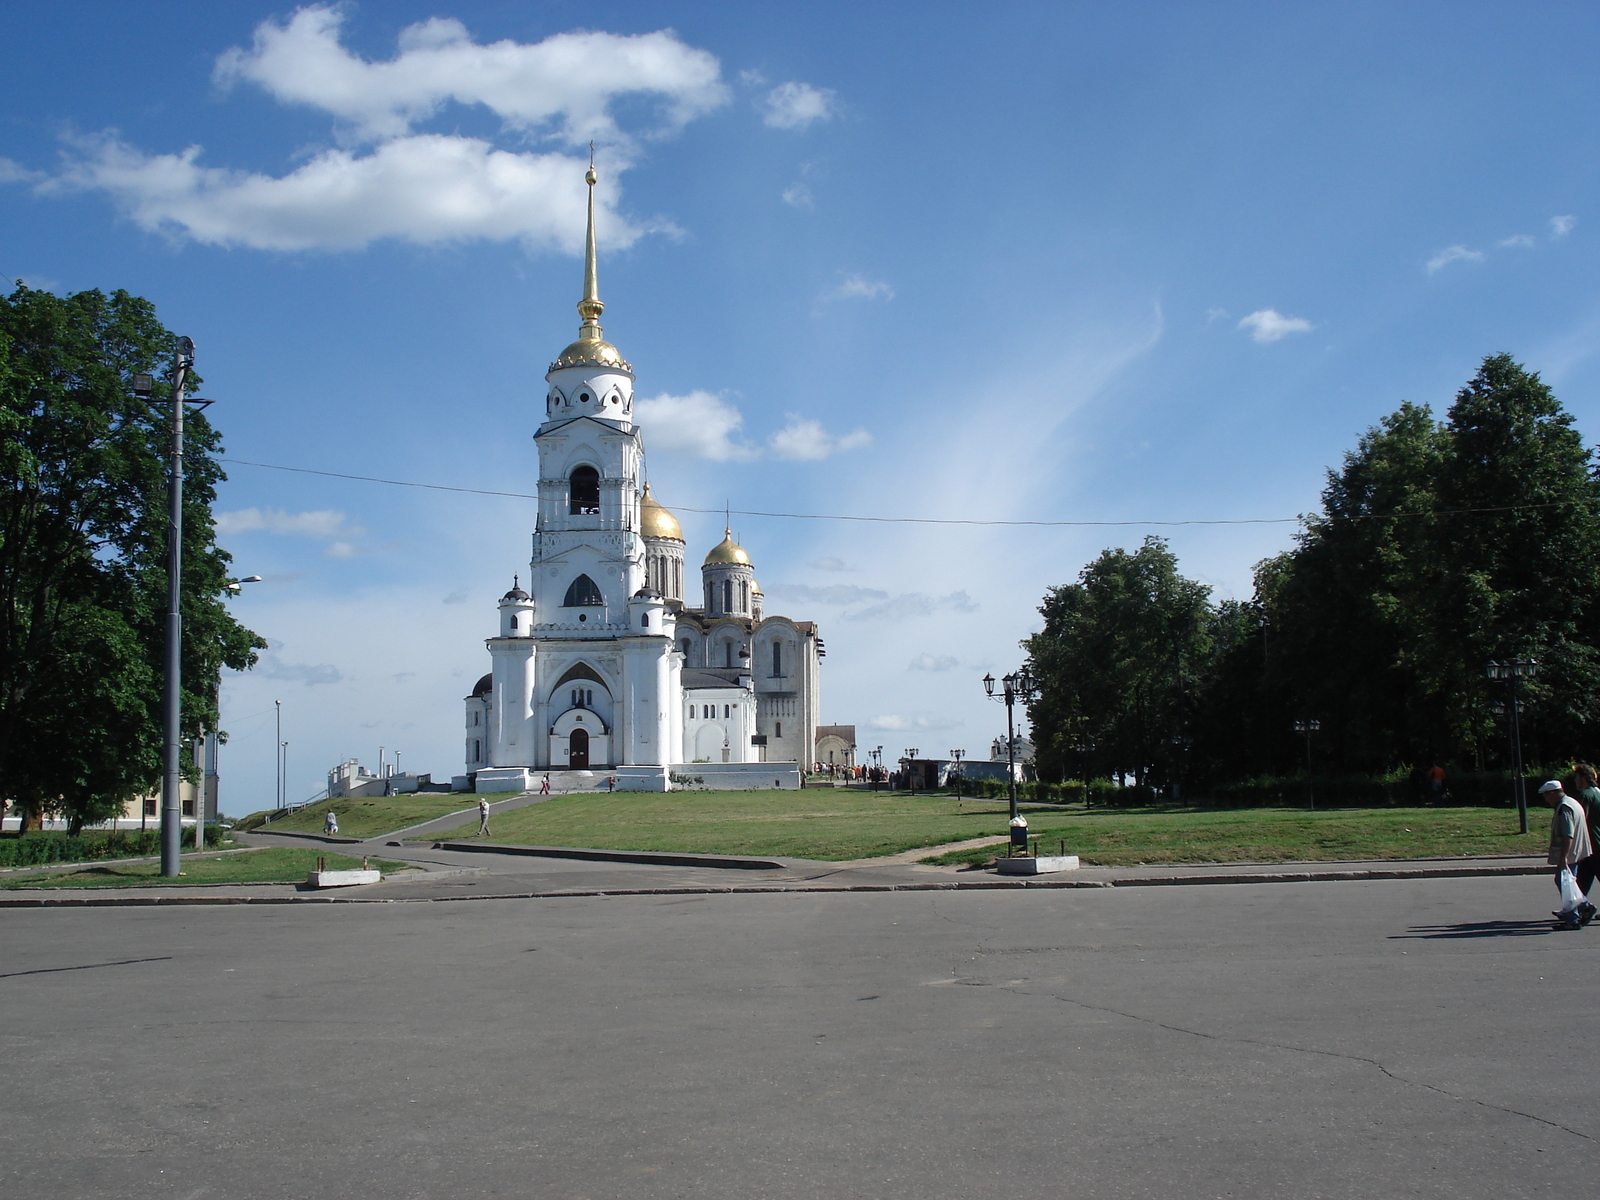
(590, 307)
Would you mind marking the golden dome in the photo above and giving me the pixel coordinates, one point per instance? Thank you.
(655, 521)
(591, 352)
(728, 552)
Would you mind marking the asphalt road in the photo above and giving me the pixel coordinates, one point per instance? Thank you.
(1417, 1038)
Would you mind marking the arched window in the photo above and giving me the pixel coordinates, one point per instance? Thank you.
(727, 595)
(777, 660)
(744, 597)
(585, 489)
(685, 645)
(644, 621)
(583, 594)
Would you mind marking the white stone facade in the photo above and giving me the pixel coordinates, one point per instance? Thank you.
(597, 665)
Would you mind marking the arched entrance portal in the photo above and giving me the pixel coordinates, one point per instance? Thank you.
(578, 742)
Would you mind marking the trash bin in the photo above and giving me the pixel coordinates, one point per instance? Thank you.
(1019, 836)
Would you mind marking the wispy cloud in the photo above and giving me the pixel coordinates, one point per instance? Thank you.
(858, 287)
(1561, 226)
(1268, 325)
(325, 524)
(838, 593)
(895, 723)
(310, 674)
(914, 604)
(798, 195)
(1517, 241)
(797, 106)
(830, 564)
(419, 187)
(933, 662)
(807, 441)
(15, 172)
(1452, 254)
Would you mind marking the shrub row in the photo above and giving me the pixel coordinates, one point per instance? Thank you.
(38, 848)
(1398, 789)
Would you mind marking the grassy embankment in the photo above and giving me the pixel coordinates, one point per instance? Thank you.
(368, 816)
(274, 865)
(835, 824)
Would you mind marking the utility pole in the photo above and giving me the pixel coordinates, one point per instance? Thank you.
(172, 679)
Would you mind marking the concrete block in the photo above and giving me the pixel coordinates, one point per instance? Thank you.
(324, 879)
(1045, 864)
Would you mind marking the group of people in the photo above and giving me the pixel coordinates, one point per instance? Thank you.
(1574, 844)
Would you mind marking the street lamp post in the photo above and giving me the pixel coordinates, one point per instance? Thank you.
(1510, 671)
(1308, 728)
(911, 769)
(277, 755)
(956, 756)
(1020, 685)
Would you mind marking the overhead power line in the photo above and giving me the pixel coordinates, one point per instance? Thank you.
(743, 512)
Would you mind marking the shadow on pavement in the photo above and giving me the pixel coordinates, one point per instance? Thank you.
(1478, 929)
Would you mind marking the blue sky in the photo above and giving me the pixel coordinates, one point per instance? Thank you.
(1010, 262)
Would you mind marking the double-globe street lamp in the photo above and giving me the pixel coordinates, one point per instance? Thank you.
(1019, 685)
(955, 771)
(1510, 671)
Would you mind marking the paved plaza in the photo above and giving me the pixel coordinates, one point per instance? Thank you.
(1350, 1039)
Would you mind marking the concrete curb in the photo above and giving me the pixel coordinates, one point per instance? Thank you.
(340, 840)
(112, 862)
(975, 885)
(656, 858)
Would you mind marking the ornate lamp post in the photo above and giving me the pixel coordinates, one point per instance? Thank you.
(1510, 671)
(956, 757)
(911, 773)
(1308, 728)
(1019, 685)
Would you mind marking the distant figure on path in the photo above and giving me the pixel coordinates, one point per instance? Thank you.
(330, 822)
(483, 816)
(1569, 844)
(544, 786)
(611, 783)
(1436, 778)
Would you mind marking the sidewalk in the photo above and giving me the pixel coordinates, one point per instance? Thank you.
(464, 869)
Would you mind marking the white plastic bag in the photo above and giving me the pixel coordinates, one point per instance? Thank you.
(1571, 896)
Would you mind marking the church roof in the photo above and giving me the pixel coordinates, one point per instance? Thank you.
(727, 552)
(655, 521)
(483, 687)
(694, 678)
(591, 352)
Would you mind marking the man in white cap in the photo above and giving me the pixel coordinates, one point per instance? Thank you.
(1569, 842)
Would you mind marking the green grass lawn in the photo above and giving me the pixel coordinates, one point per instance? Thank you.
(274, 865)
(835, 824)
(364, 817)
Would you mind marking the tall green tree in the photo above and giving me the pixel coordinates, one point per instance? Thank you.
(1120, 663)
(83, 541)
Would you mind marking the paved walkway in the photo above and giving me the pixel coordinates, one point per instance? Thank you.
(468, 868)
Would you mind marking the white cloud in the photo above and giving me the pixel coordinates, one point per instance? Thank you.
(894, 723)
(428, 189)
(797, 105)
(322, 523)
(1450, 254)
(1516, 241)
(1216, 314)
(700, 423)
(798, 195)
(808, 441)
(859, 287)
(1561, 226)
(915, 604)
(830, 564)
(933, 662)
(564, 84)
(425, 188)
(1268, 325)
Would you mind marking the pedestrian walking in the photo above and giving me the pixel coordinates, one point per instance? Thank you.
(483, 816)
(1569, 844)
(330, 822)
(1589, 798)
(544, 786)
(1436, 780)
(611, 783)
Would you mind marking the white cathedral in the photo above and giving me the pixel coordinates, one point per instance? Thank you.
(599, 666)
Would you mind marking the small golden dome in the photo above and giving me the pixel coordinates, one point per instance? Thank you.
(591, 352)
(655, 521)
(727, 552)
